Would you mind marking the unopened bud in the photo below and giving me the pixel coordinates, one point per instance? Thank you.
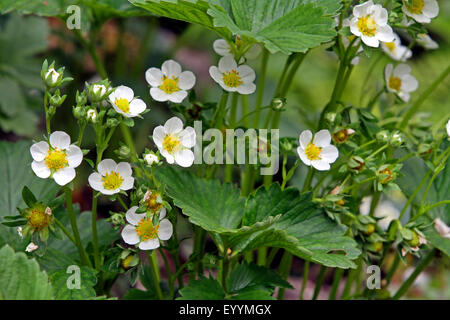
(91, 115)
(112, 122)
(383, 136)
(151, 158)
(78, 112)
(396, 139)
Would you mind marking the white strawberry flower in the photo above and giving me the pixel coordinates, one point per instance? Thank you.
(317, 152)
(124, 102)
(400, 81)
(441, 227)
(57, 160)
(31, 247)
(99, 90)
(169, 83)
(52, 75)
(369, 22)
(233, 78)
(421, 10)
(91, 115)
(111, 177)
(151, 158)
(141, 229)
(425, 41)
(396, 50)
(223, 48)
(174, 143)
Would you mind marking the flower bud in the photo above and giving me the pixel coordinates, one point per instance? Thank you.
(151, 158)
(52, 78)
(370, 228)
(342, 135)
(81, 98)
(278, 103)
(356, 164)
(117, 219)
(91, 115)
(396, 139)
(112, 122)
(385, 175)
(98, 91)
(331, 117)
(123, 152)
(56, 100)
(383, 136)
(78, 113)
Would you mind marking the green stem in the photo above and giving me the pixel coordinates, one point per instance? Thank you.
(262, 254)
(348, 284)
(357, 184)
(122, 203)
(151, 262)
(47, 116)
(336, 281)
(233, 109)
(308, 179)
(169, 273)
(420, 267)
(126, 133)
(284, 270)
(319, 282)
(66, 231)
(304, 279)
(392, 269)
(217, 121)
(245, 109)
(414, 194)
(411, 112)
(73, 222)
(261, 87)
(374, 100)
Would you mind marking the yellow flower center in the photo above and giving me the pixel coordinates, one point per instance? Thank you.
(232, 79)
(123, 105)
(112, 181)
(416, 6)
(340, 136)
(367, 26)
(169, 85)
(171, 143)
(390, 46)
(38, 219)
(313, 152)
(56, 159)
(395, 83)
(152, 202)
(146, 230)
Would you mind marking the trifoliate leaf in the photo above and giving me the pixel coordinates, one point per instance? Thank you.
(202, 289)
(76, 283)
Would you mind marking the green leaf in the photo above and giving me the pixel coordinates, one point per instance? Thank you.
(135, 294)
(62, 279)
(15, 170)
(54, 261)
(248, 276)
(253, 293)
(20, 71)
(282, 25)
(202, 289)
(21, 278)
(290, 220)
(193, 11)
(211, 205)
(28, 197)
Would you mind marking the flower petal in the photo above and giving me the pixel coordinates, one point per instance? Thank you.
(402, 70)
(322, 138)
(137, 106)
(39, 150)
(215, 73)
(184, 158)
(150, 244)
(320, 165)
(74, 156)
(305, 138)
(178, 96)
(165, 230)
(330, 153)
(246, 73)
(129, 234)
(362, 9)
(106, 166)
(173, 125)
(95, 181)
(124, 169)
(158, 136)
(227, 64)
(162, 213)
(409, 83)
(159, 95)
(60, 140)
(40, 169)
(186, 81)
(64, 176)
(154, 77)
(371, 41)
(127, 183)
(303, 157)
(124, 92)
(187, 137)
(133, 217)
(171, 68)
(222, 47)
